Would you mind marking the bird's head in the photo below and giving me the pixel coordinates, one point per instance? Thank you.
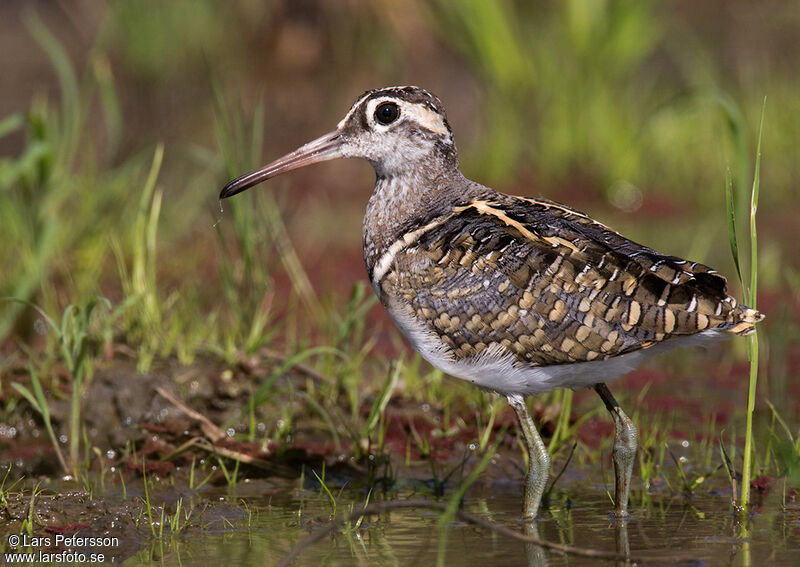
(397, 129)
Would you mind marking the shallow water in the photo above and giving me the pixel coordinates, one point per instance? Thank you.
(669, 530)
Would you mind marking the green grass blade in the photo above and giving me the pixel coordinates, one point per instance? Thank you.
(780, 421)
(752, 340)
(730, 208)
(45, 316)
(328, 492)
(29, 397)
(72, 111)
(39, 403)
(264, 391)
(109, 101)
(325, 416)
(446, 519)
(382, 400)
(753, 210)
(11, 124)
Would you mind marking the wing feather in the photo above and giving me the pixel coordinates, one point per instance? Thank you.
(550, 285)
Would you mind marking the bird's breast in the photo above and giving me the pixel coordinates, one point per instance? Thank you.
(401, 208)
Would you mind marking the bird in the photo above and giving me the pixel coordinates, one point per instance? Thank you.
(515, 295)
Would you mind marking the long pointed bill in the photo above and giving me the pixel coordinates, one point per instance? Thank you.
(323, 148)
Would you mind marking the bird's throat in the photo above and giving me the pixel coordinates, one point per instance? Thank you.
(397, 201)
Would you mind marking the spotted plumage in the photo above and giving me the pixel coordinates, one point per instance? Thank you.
(547, 284)
(516, 295)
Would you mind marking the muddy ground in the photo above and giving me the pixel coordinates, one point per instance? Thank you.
(166, 455)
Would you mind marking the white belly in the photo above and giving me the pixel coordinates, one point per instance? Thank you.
(497, 369)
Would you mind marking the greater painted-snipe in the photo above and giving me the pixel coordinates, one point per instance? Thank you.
(515, 295)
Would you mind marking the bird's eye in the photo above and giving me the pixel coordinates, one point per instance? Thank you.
(387, 112)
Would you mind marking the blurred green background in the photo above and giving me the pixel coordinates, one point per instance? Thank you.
(121, 120)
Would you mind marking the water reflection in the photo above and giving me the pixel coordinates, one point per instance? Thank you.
(621, 537)
(670, 530)
(535, 554)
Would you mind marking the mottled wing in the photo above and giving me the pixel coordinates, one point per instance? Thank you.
(549, 284)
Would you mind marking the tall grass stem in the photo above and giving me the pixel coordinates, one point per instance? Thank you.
(752, 340)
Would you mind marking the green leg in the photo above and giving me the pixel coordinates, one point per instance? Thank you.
(626, 441)
(538, 459)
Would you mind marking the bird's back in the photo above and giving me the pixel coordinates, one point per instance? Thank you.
(539, 284)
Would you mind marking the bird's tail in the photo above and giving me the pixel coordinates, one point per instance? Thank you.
(743, 320)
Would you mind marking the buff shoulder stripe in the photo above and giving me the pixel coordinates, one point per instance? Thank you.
(486, 208)
(409, 238)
